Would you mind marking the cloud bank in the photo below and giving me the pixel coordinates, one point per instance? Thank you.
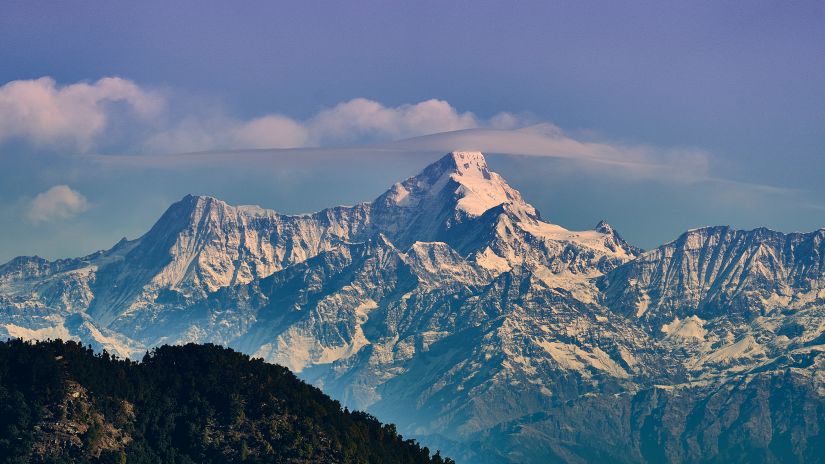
(56, 203)
(114, 115)
(42, 113)
(353, 122)
(89, 117)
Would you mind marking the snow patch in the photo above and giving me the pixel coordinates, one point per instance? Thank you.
(642, 305)
(587, 238)
(44, 333)
(745, 348)
(572, 357)
(489, 260)
(691, 327)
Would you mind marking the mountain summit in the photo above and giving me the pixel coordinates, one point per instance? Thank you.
(465, 175)
(449, 306)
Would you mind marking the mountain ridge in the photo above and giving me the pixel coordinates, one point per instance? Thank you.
(449, 306)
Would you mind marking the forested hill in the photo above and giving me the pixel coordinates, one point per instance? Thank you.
(61, 402)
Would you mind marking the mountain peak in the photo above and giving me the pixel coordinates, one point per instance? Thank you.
(192, 202)
(479, 189)
(470, 162)
(604, 227)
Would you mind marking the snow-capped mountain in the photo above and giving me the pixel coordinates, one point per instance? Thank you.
(449, 306)
(731, 299)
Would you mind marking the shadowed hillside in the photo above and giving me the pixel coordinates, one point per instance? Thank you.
(61, 402)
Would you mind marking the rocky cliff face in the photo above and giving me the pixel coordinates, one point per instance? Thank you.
(729, 300)
(706, 272)
(449, 306)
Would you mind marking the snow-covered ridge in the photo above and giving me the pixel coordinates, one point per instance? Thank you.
(446, 305)
(202, 244)
(481, 189)
(421, 208)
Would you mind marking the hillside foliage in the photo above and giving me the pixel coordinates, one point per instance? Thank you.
(61, 402)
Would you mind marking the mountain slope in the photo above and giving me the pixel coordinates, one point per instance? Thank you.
(732, 300)
(450, 306)
(192, 403)
(751, 273)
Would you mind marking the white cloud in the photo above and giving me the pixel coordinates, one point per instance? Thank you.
(360, 119)
(355, 121)
(58, 202)
(43, 113)
(272, 131)
(221, 133)
(82, 115)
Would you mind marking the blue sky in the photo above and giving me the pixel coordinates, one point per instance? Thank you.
(708, 112)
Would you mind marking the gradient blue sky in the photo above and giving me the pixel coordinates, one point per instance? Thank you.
(727, 98)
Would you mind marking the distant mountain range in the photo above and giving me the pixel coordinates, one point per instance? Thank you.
(450, 307)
